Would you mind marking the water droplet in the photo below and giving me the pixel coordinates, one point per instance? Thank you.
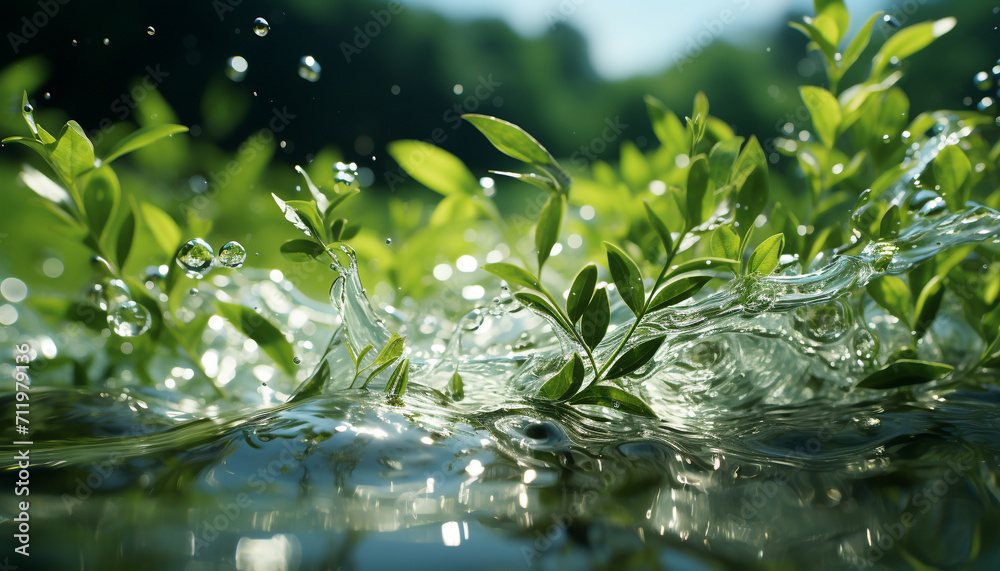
(891, 22)
(74, 42)
(95, 295)
(309, 68)
(232, 255)
(983, 81)
(117, 293)
(236, 68)
(47, 96)
(297, 361)
(472, 320)
(823, 323)
(261, 27)
(196, 257)
(107, 41)
(28, 108)
(150, 30)
(130, 319)
(193, 291)
(345, 172)
(388, 241)
(867, 424)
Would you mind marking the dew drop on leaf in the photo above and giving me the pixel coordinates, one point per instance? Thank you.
(195, 257)
(129, 320)
(232, 255)
(28, 108)
(297, 361)
(261, 27)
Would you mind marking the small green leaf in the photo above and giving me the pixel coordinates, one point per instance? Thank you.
(892, 294)
(699, 119)
(679, 289)
(613, 397)
(904, 372)
(163, 228)
(141, 138)
(399, 379)
(909, 41)
(837, 12)
(456, 387)
(697, 188)
(566, 382)
(631, 360)
(73, 153)
(721, 160)
(510, 139)
(268, 337)
(725, 243)
(542, 182)
(627, 278)
(890, 224)
(126, 235)
(301, 250)
(927, 306)
(101, 197)
(751, 200)
(595, 320)
(581, 292)
(513, 275)
(765, 258)
(819, 38)
(336, 201)
(666, 125)
(660, 228)
(547, 229)
(825, 111)
(952, 169)
(314, 385)
(859, 43)
(392, 350)
(434, 167)
(540, 306)
(701, 264)
(302, 214)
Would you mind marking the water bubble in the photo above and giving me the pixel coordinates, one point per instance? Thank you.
(130, 319)
(95, 295)
(47, 95)
(261, 27)
(867, 424)
(232, 255)
(983, 81)
(74, 42)
(823, 323)
(388, 241)
(107, 41)
(891, 22)
(236, 68)
(28, 108)
(296, 360)
(865, 345)
(150, 30)
(117, 293)
(193, 291)
(196, 257)
(309, 69)
(472, 320)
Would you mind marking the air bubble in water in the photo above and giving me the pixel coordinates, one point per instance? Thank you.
(309, 68)
(196, 257)
(823, 323)
(232, 255)
(150, 30)
(129, 320)
(472, 320)
(261, 27)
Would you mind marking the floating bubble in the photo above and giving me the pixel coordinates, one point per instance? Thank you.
(129, 320)
(232, 255)
(236, 68)
(309, 68)
(196, 257)
(261, 27)
(150, 30)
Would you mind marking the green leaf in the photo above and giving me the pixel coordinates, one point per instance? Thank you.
(697, 187)
(751, 199)
(836, 11)
(542, 182)
(163, 228)
(456, 387)
(434, 167)
(859, 43)
(268, 337)
(336, 201)
(666, 125)
(454, 208)
(399, 379)
(126, 235)
(890, 224)
(566, 382)
(904, 372)
(581, 292)
(301, 250)
(510, 139)
(698, 120)
(678, 290)
(702, 264)
(547, 229)
(660, 228)
(513, 275)
(141, 138)
(314, 385)
(631, 360)
(892, 294)
(627, 278)
(765, 258)
(725, 243)
(613, 397)
(303, 215)
(825, 112)
(951, 171)
(595, 320)
(909, 41)
(721, 160)
(392, 350)
(73, 153)
(819, 38)
(927, 306)
(101, 197)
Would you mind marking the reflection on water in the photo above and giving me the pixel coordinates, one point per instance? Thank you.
(359, 480)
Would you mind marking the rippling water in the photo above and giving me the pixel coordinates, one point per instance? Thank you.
(764, 455)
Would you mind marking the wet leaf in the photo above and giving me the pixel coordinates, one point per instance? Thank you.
(725, 243)
(547, 229)
(595, 320)
(513, 275)
(909, 41)
(660, 228)
(825, 112)
(399, 379)
(613, 397)
(540, 306)
(141, 138)
(510, 139)
(101, 197)
(891, 293)
(765, 258)
(927, 306)
(904, 372)
(434, 167)
(269, 338)
(702, 264)
(581, 292)
(678, 290)
(392, 350)
(456, 387)
(301, 250)
(73, 153)
(633, 359)
(627, 278)
(890, 224)
(566, 382)
(952, 169)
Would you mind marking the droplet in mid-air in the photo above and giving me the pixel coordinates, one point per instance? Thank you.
(983, 81)
(345, 172)
(309, 68)
(388, 241)
(196, 257)
(232, 255)
(236, 68)
(261, 27)
(891, 22)
(107, 41)
(150, 30)
(129, 320)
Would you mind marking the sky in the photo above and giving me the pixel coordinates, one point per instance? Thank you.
(630, 37)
